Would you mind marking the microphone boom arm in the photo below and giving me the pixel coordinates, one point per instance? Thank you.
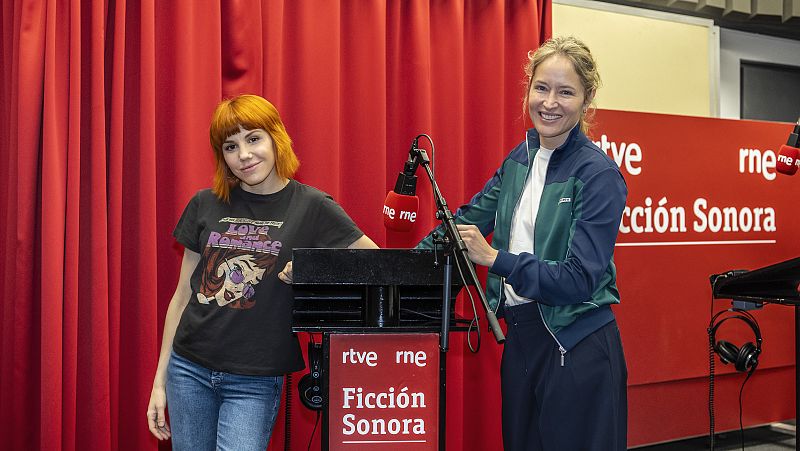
(443, 213)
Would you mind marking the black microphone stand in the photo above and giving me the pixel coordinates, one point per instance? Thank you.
(457, 245)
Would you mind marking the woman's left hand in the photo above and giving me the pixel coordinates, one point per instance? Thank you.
(479, 250)
(286, 274)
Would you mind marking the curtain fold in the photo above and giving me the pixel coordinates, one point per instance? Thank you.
(104, 133)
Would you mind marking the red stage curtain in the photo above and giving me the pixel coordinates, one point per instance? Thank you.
(103, 127)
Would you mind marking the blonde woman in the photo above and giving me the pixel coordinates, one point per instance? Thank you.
(554, 207)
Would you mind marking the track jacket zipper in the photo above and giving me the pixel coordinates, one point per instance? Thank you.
(560, 348)
(513, 215)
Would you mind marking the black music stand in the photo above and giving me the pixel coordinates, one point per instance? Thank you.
(774, 284)
(351, 290)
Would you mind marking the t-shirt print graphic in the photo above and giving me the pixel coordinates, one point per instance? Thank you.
(235, 261)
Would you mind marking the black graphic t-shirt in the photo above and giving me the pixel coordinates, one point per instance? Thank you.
(239, 318)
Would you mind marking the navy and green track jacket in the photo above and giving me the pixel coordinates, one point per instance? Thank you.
(570, 270)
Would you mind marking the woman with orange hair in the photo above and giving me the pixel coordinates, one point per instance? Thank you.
(228, 338)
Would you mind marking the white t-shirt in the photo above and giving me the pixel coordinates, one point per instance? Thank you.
(522, 227)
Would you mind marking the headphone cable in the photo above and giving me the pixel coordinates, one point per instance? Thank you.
(741, 390)
(711, 392)
(711, 377)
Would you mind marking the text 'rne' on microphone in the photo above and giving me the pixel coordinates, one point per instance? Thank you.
(789, 156)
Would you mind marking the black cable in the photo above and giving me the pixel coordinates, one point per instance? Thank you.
(711, 391)
(475, 320)
(408, 311)
(311, 438)
(316, 422)
(711, 377)
(287, 418)
(433, 155)
(741, 426)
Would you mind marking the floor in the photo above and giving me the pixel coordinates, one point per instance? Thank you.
(777, 437)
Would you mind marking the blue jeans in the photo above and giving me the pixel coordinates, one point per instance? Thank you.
(212, 410)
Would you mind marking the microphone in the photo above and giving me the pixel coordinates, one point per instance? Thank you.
(789, 156)
(400, 211)
(401, 204)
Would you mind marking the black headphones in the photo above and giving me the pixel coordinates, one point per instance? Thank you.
(744, 358)
(310, 385)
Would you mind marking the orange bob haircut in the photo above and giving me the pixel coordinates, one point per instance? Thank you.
(249, 112)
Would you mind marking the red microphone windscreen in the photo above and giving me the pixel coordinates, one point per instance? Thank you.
(400, 212)
(788, 160)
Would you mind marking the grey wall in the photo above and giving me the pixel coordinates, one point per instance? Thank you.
(736, 46)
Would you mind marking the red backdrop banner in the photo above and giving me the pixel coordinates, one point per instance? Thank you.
(704, 198)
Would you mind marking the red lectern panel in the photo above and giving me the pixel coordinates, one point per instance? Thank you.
(383, 390)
